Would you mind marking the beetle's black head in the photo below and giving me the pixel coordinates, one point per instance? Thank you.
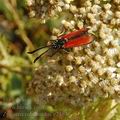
(58, 43)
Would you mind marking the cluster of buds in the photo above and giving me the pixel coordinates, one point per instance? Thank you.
(86, 72)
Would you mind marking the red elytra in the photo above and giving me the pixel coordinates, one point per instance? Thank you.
(74, 33)
(73, 39)
(78, 41)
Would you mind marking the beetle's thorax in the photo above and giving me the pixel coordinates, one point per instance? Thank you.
(59, 43)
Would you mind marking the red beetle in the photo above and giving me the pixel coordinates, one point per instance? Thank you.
(73, 39)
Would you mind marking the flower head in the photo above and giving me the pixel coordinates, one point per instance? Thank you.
(86, 72)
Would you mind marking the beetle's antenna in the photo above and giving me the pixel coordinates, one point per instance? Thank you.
(31, 52)
(41, 55)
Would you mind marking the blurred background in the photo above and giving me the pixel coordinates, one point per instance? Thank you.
(18, 34)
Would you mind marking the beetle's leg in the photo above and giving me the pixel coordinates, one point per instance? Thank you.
(66, 50)
(54, 52)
